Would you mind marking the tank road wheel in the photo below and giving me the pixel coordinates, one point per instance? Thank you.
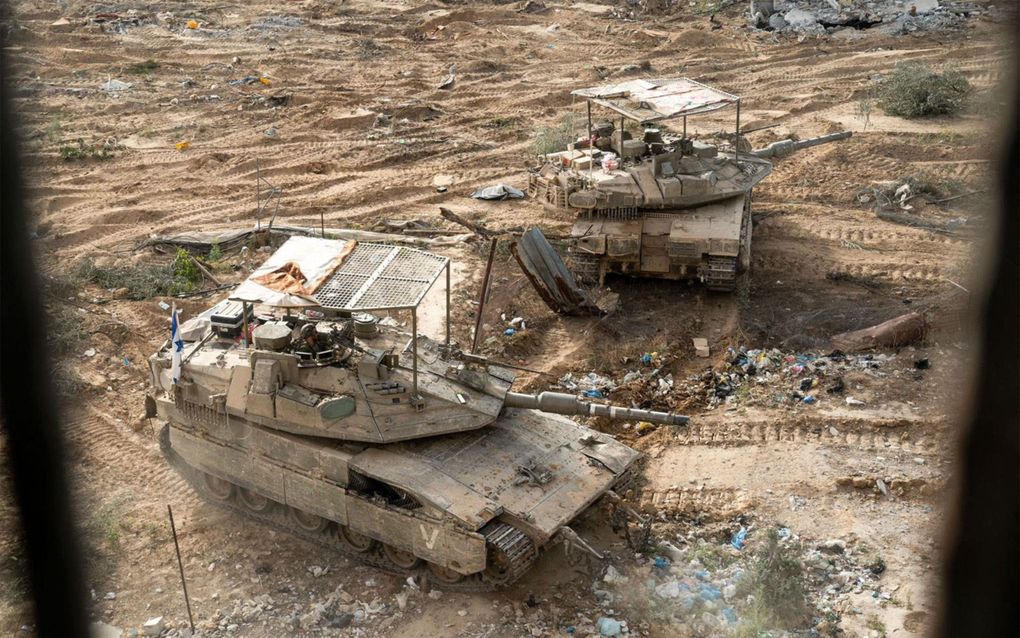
(444, 575)
(355, 540)
(400, 558)
(253, 500)
(306, 521)
(221, 489)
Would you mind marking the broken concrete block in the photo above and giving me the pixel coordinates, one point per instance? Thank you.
(701, 348)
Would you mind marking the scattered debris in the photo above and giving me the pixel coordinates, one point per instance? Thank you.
(114, 86)
(701, 347)
(549, 275)
(450, 79)
(498, 192)
(153, 626)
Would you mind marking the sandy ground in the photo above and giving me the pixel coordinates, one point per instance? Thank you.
(823, 263)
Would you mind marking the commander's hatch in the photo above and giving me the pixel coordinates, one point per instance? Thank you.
(348, 276)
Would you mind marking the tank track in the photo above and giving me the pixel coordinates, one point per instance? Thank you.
(515, 549)
(585, 268)
(721, 274)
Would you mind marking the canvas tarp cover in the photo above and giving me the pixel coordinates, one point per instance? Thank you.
(294, 272)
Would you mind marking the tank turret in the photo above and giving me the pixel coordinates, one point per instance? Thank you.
(659, 203)
(287, 401)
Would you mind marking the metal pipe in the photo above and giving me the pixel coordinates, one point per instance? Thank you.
(180, 565)
(244, 324)
(414, 353)
(481, 297)
(736, 141)
(591, 144)
(447, 304)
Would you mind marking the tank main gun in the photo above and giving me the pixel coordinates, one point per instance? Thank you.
(562, 403)
(787, 146)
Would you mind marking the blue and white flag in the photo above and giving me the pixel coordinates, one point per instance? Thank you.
(176, 347)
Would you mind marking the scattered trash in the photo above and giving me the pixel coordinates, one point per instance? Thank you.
(248, 79)
(113, 86)
(854, 402)
(91, 352)
(739, 539)
(192, 24)
(614, 577)
(609, 627)
(163, 305)
(661, 563)
(882, 487)
(498, 192)
(264, 80)
(183, 145)
(153, 626)
(809, 399)
(646, 359)
(271, 131)
(591, 394)
(509, 332)
(701, 347)
(450, 79)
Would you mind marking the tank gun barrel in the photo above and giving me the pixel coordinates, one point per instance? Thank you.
(561, 403)
(787, 146)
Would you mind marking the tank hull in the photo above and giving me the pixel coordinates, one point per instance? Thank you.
(472, 510)
(709, 244)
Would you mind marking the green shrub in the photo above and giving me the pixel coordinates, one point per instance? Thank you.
(556, 137)
(143, 68)
(916, 90)
(776, 580)
(145, 280)
(83, 151)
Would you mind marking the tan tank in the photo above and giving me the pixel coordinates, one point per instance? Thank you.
(662, 205)
(386, 445)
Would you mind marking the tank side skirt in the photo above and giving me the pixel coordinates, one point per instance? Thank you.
(432, 540)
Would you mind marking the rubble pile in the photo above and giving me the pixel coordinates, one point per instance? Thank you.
(819, 17)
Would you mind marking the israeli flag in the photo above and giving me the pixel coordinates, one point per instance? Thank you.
(177, 347)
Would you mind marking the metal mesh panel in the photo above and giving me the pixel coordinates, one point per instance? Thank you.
(376, 277)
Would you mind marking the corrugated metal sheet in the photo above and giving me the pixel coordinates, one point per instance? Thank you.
(550, 277)
(654, 100)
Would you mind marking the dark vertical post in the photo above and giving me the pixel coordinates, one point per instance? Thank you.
(736, 142)
(591, 147)
(414, 354)
(180, 565)
(244, 323)
(322, 223)
(482, 295)
(447, 303)
(258, 195)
